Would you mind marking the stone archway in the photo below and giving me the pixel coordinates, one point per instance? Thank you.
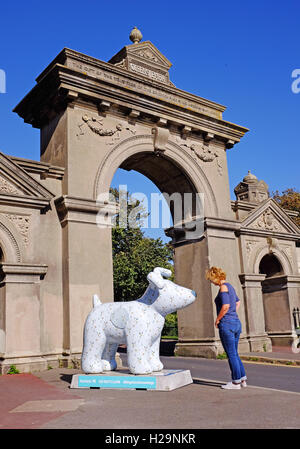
(176, 170)
(12, 248)
(262, 251)
(95, 117)
(172, 170)
(126, 113)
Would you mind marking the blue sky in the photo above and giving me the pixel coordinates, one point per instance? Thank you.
(239, 54)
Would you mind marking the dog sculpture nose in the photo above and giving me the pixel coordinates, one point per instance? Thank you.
(194, 293)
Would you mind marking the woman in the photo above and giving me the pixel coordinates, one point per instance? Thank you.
(229, 325)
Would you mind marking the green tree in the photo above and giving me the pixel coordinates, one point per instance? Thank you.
(135, 255)
(289, 199)
(171, 325)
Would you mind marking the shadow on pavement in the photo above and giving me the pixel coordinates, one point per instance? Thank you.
(66, 378)
(207, 383)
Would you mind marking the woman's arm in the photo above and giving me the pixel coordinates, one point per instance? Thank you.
(224, 308)
(223, 311)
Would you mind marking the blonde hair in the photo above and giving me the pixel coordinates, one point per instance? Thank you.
(215, 274)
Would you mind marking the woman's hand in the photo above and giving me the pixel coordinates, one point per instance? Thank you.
(223, 311)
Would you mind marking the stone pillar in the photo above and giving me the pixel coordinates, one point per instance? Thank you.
(87, 262)
(281, 295)
(254, 309)
(20, 316)
(198, 336)
(196, 330)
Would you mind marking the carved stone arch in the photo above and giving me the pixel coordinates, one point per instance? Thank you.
(130, 153)
(263, 250)
(196, 175)
(11, 244)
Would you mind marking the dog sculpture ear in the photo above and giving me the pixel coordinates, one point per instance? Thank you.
(155, 279)
(163, 272)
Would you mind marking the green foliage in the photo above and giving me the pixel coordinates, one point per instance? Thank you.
(13, 370)
(171, 326)
(289, 199)
(222, 356)
(135, 255)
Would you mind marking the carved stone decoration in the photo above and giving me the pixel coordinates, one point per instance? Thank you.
(288, 251)
(161, 136)
(204, 152)
(267, 221)
(121, 64)
(9, 188)
(22, 223)
(144, 59)
(148, 55)
(250, 244)
(95, 124)
(273, 244)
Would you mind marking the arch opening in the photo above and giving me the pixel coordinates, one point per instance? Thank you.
(270, 266)
(171, 170)
(137, 251)
(170, 179)
(275, 296)
(163, 172)
(140, 187)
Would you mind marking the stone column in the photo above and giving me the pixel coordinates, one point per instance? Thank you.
(254, 309)
(87, 262)
(20, 316)
(196, 332)
(198, 336)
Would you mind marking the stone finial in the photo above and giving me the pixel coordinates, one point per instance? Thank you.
(135, 35)
(250, 178)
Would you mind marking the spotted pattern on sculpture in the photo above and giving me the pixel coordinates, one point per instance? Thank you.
(138, 324)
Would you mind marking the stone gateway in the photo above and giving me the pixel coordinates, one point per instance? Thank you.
(95, 117)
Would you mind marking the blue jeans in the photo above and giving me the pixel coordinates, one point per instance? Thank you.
(229, 334)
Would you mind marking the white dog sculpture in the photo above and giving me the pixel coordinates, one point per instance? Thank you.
(138, 324)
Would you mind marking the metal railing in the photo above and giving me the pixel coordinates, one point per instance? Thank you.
(296, 317)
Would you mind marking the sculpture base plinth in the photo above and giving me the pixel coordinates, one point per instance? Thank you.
(165, 380)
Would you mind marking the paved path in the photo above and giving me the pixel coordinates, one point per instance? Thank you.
(28, 402)
(262, 375)
(202, 405)
(44, 400)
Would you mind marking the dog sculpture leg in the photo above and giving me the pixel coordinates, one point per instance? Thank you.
(94, 344)
(138, 353)
(108, 357)
(155, 362)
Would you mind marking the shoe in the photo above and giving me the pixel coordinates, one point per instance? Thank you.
(231, 386)
(244, 383)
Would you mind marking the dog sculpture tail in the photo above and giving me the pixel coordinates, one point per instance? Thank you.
(96, 301)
